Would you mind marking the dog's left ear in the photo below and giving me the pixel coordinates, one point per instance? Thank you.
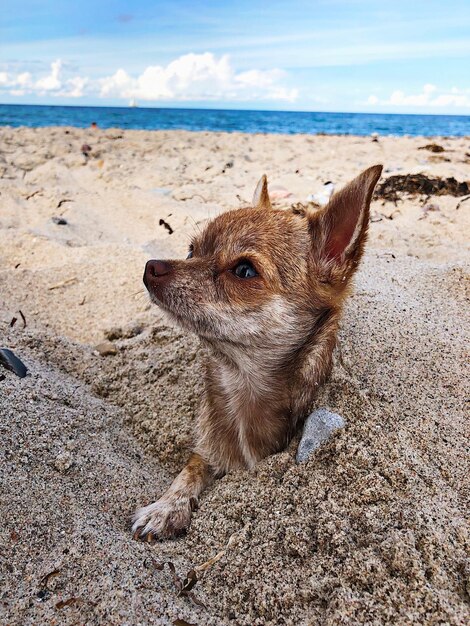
(261, 196)
(339, 230)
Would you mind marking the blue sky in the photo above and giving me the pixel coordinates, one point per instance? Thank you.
(336, 55)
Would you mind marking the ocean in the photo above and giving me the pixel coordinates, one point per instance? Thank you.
(241, 121)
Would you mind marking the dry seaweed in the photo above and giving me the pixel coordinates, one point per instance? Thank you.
(166, 225)
(432, 147)
(414, 184)
(183, 587)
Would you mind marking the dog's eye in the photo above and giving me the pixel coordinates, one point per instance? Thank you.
(245, 270)
(190, 253)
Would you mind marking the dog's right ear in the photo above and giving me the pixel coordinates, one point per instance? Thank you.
(339, 230)
(261, 196)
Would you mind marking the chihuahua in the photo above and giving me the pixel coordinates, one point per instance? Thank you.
(263, 288)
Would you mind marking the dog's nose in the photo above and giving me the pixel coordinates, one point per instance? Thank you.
(156, 269)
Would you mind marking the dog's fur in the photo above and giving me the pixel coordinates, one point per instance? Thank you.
(269, 338)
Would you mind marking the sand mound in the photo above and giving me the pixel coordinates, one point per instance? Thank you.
(371, 530)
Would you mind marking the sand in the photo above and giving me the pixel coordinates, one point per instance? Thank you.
(371, 530)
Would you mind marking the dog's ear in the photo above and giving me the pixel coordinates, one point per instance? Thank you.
(261, 196)
(339, 230)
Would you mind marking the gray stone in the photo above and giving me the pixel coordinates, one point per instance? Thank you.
(63, 461)
(318, 427)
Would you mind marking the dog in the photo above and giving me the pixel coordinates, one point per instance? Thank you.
(263, 289)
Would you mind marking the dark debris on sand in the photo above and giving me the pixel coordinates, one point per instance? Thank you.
(414, 184)
(432, 147)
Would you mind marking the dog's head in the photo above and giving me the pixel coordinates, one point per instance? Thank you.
(260, 275)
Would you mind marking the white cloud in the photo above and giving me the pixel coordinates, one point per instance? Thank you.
(189, 77)
(197, 77)
(54, 83)
(75, 87)
(430, 96)
(24, 79)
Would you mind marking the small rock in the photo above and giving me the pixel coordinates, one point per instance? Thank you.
(60, 221)
(317, 429)
(106, 348)
(63, 461)
(11, 362)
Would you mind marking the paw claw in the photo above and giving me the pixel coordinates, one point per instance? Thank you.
(165, 519)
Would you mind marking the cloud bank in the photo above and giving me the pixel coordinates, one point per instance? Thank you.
(189, 77)
(430, 96)
(54, 83)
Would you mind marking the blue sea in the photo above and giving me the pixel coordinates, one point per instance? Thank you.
(229, 120)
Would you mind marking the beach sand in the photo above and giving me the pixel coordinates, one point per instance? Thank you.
(371, 530)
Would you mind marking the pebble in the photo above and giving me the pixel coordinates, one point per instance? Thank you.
(106, 348)
(318, 428)
(11, 362)
(63, 461)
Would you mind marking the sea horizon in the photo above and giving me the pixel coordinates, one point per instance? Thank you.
(235, 120)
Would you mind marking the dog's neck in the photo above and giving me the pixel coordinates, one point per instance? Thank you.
(272, 359)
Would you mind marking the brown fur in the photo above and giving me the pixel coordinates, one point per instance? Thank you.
(269, 338)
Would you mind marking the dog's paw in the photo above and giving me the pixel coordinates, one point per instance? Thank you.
(167, 518)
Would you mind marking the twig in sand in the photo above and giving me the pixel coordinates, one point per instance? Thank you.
(61, 202)
(31, 195)
(210, 562)
(184, 587)
(195, 195)
(64, 283)
(22, 317)
(63, 603)
(461, 202)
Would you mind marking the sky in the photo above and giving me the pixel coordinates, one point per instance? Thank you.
(330, 55)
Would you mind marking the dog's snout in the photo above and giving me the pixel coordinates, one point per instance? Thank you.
(156, 269)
